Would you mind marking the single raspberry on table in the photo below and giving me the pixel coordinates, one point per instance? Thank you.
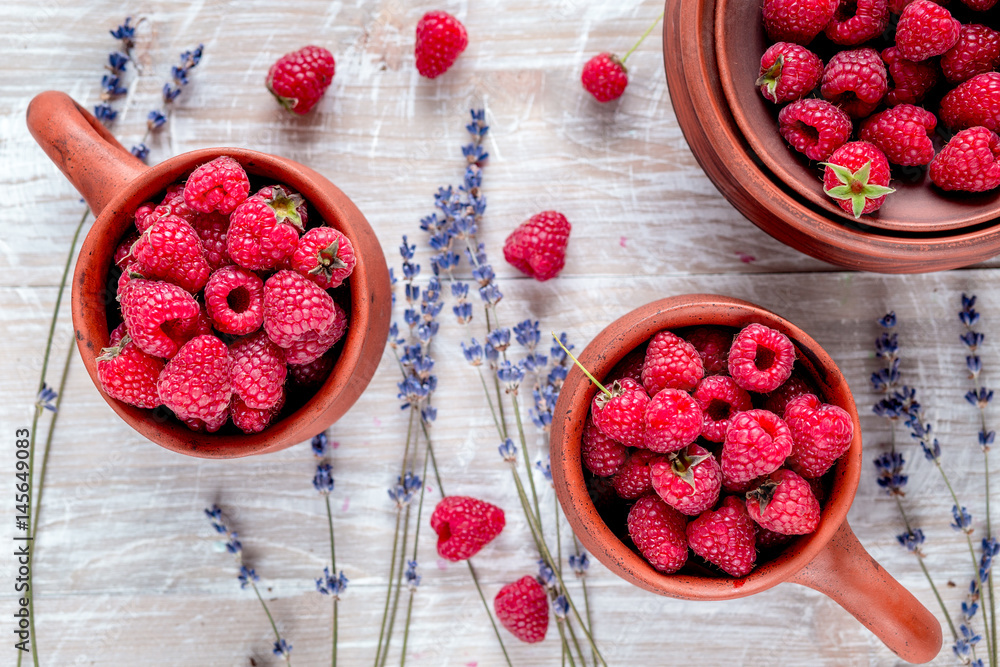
(314, 344)
(908, 82)
(855, 81)
(127, 373)
(977, 51)
(537, 247)
(969, 162)
(814, 127)
(523, 608)
(148, 307)
(857, 176)
(295, 306)
(602, 455)
(604, 76)
(264, 231)
(713, 346)
(821, 433)
(689, 481)
(632, 479)
(788, 72)
(220, 185)
(974, 102)
(796, 385)
(259, 371)
(719, 398)
(197, 382)
(465, 525)
(784, 504)
(234, 299)
(925, 29)
(672, 421)
(657, 530)
(761, 358)
(902, 133)
(726, 537)
(253, 420)
(324, 256)
(170, 250)
(313, 374)
(620, 414)
(757, 443)
(858, 21)
(671, 363)
(797, 21)
(441, 38)
(298, 79)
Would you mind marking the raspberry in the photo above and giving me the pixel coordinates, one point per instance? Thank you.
(314, 344)
(601, 455)
(672, 421)
(441, 38)
(757, 443)
(925, 29)
(629, 367)
(784, 504)
(252, 420)
(779, 398)
(173, 204)
(184, 330)
(324, 256)
(220, 185)
(258, 371)
(657, 530)
(288, 204)
(234, 298)
(196, 383)
(979, 5)
(464, 526)
(604, 76)
(211, 229)
(969, 162)
(788, 72)
(170, 250)
(671, 362)
(977, 51)
(211, 426)
(127, 373)
(857, 21)
(688, 481)
(821, 433)
(632, 479)
(313, 374)
(855, 81)
(975, 102)
(719, 398)
(814, 127)
(620, 415)
(523, 608)
(537, 247)
(797, 21)
(123, 253)
(908, 82)
(147, 306)
(768, 539)
(294, 306)
(902, 134)
(264, 231)
(713, 347)
(141, 213)
(761, 358)
(298, 79)
(726, 537)
(739, 488)
(857, 176)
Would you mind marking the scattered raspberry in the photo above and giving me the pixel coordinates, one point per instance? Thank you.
(689, 481)
(969, 162)
(127, 373)
(713, 347)
(234, 298)
(605, 77)
(757, 443)
(719, 398)
(855, 81)
(252, 420)
(523, 608)
(761, 358)
(908, 82)
(464, 526)
(671, 362)
(788, 72)
(196, 383)
(258, 371)
(975, 102)
(220, 185)
(726, 537)
(902, 133)
(925, 29)
(313, 374)
(440, 40)
(537, 247)
(601, 455)
(672, 421)
(858, 21)
(632, 479)
(857, 177)
(298, 79)
(797, 21)
(211, 229)
(147, 306)
(821, 433)
(657, 530)
(324, 256)
(314, 344)
(170, 250)
(779, 398)
(264, 231)
(814, 127)
(294, 306)
(784, 504)
(620, 416)
(977, 51)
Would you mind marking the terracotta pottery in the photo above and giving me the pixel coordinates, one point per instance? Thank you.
(743, 177)
(114, 184)
(830, 560)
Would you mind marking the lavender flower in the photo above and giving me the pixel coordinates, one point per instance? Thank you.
(979, 397)
(890, 473)
(912, 540)
(962, 519)
(323, 479)
(546, 575)
(560, 606)
(579, 564)
(233, 545)
(332, 585)
(125, 33)
(508, 450)
(141, 151)
(406, 486)
(47, 398)
(247, 576)
(963, 647)
(990, 550)
(412, 578)
(319, 444)
(282, 648)
(545, 468)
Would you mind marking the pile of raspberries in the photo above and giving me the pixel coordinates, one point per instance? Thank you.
(714, 445)
(224, 295)
(886, 99)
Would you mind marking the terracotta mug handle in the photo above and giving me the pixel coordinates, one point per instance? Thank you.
(846, 573)
(83, 149)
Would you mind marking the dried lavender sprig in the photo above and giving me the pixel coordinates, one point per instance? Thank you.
(332, 585)
(157, 118)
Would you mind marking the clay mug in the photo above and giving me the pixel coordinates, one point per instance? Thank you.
(830, 560)
(114, 183)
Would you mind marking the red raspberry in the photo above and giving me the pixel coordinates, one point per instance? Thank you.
(295, 306)
(523, 608)
(605, 77)
(287, 203)
(925, 29)
(149, 305)
(902, 134)
(689, 481)
(601, 455)
(657, 530)
(127, 373)
(784, 504)
(170, 250)
(324, 256)
(632, 479)
(977, 51)
(855, 81)
(908, 82)
(969, 162)
(672, 421)
(234, 299)
(211, 229)
(821, 433)
(252, 420)
(975, 102)
(537, 247)
(298, 79)
(726, 537)
(757, 443)
(264, 231)
(797, 21)
(713, 346)
(184, 330)
(719, 398)
(768, 539)
(314, 344)
(220, 185)
(857, 21)
(814, 127)
(620, 415)
(312, 374)
(123, 253)
(629, 367)
(788, 71)
(464, 526)
(671, 363)
(141, 213)
(979, 5)
(440, 40)
(739, 488)
(211, 426)
(197, 382)
(173, 204)
(761, 358)
(857, 176)
(258, 371)
(779, 398)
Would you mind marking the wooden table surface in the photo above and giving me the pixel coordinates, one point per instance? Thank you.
(128, 570)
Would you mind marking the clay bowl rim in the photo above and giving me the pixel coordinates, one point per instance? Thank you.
(89, 287)
(608, 348)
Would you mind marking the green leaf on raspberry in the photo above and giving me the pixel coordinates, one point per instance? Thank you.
(762, 494)
(109, 353)
(286, 206)
(855, 186)
(682, 465)
(329, 261)
(288, 102)
(770, 78)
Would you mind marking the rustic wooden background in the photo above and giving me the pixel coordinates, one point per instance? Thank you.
(128, 571)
